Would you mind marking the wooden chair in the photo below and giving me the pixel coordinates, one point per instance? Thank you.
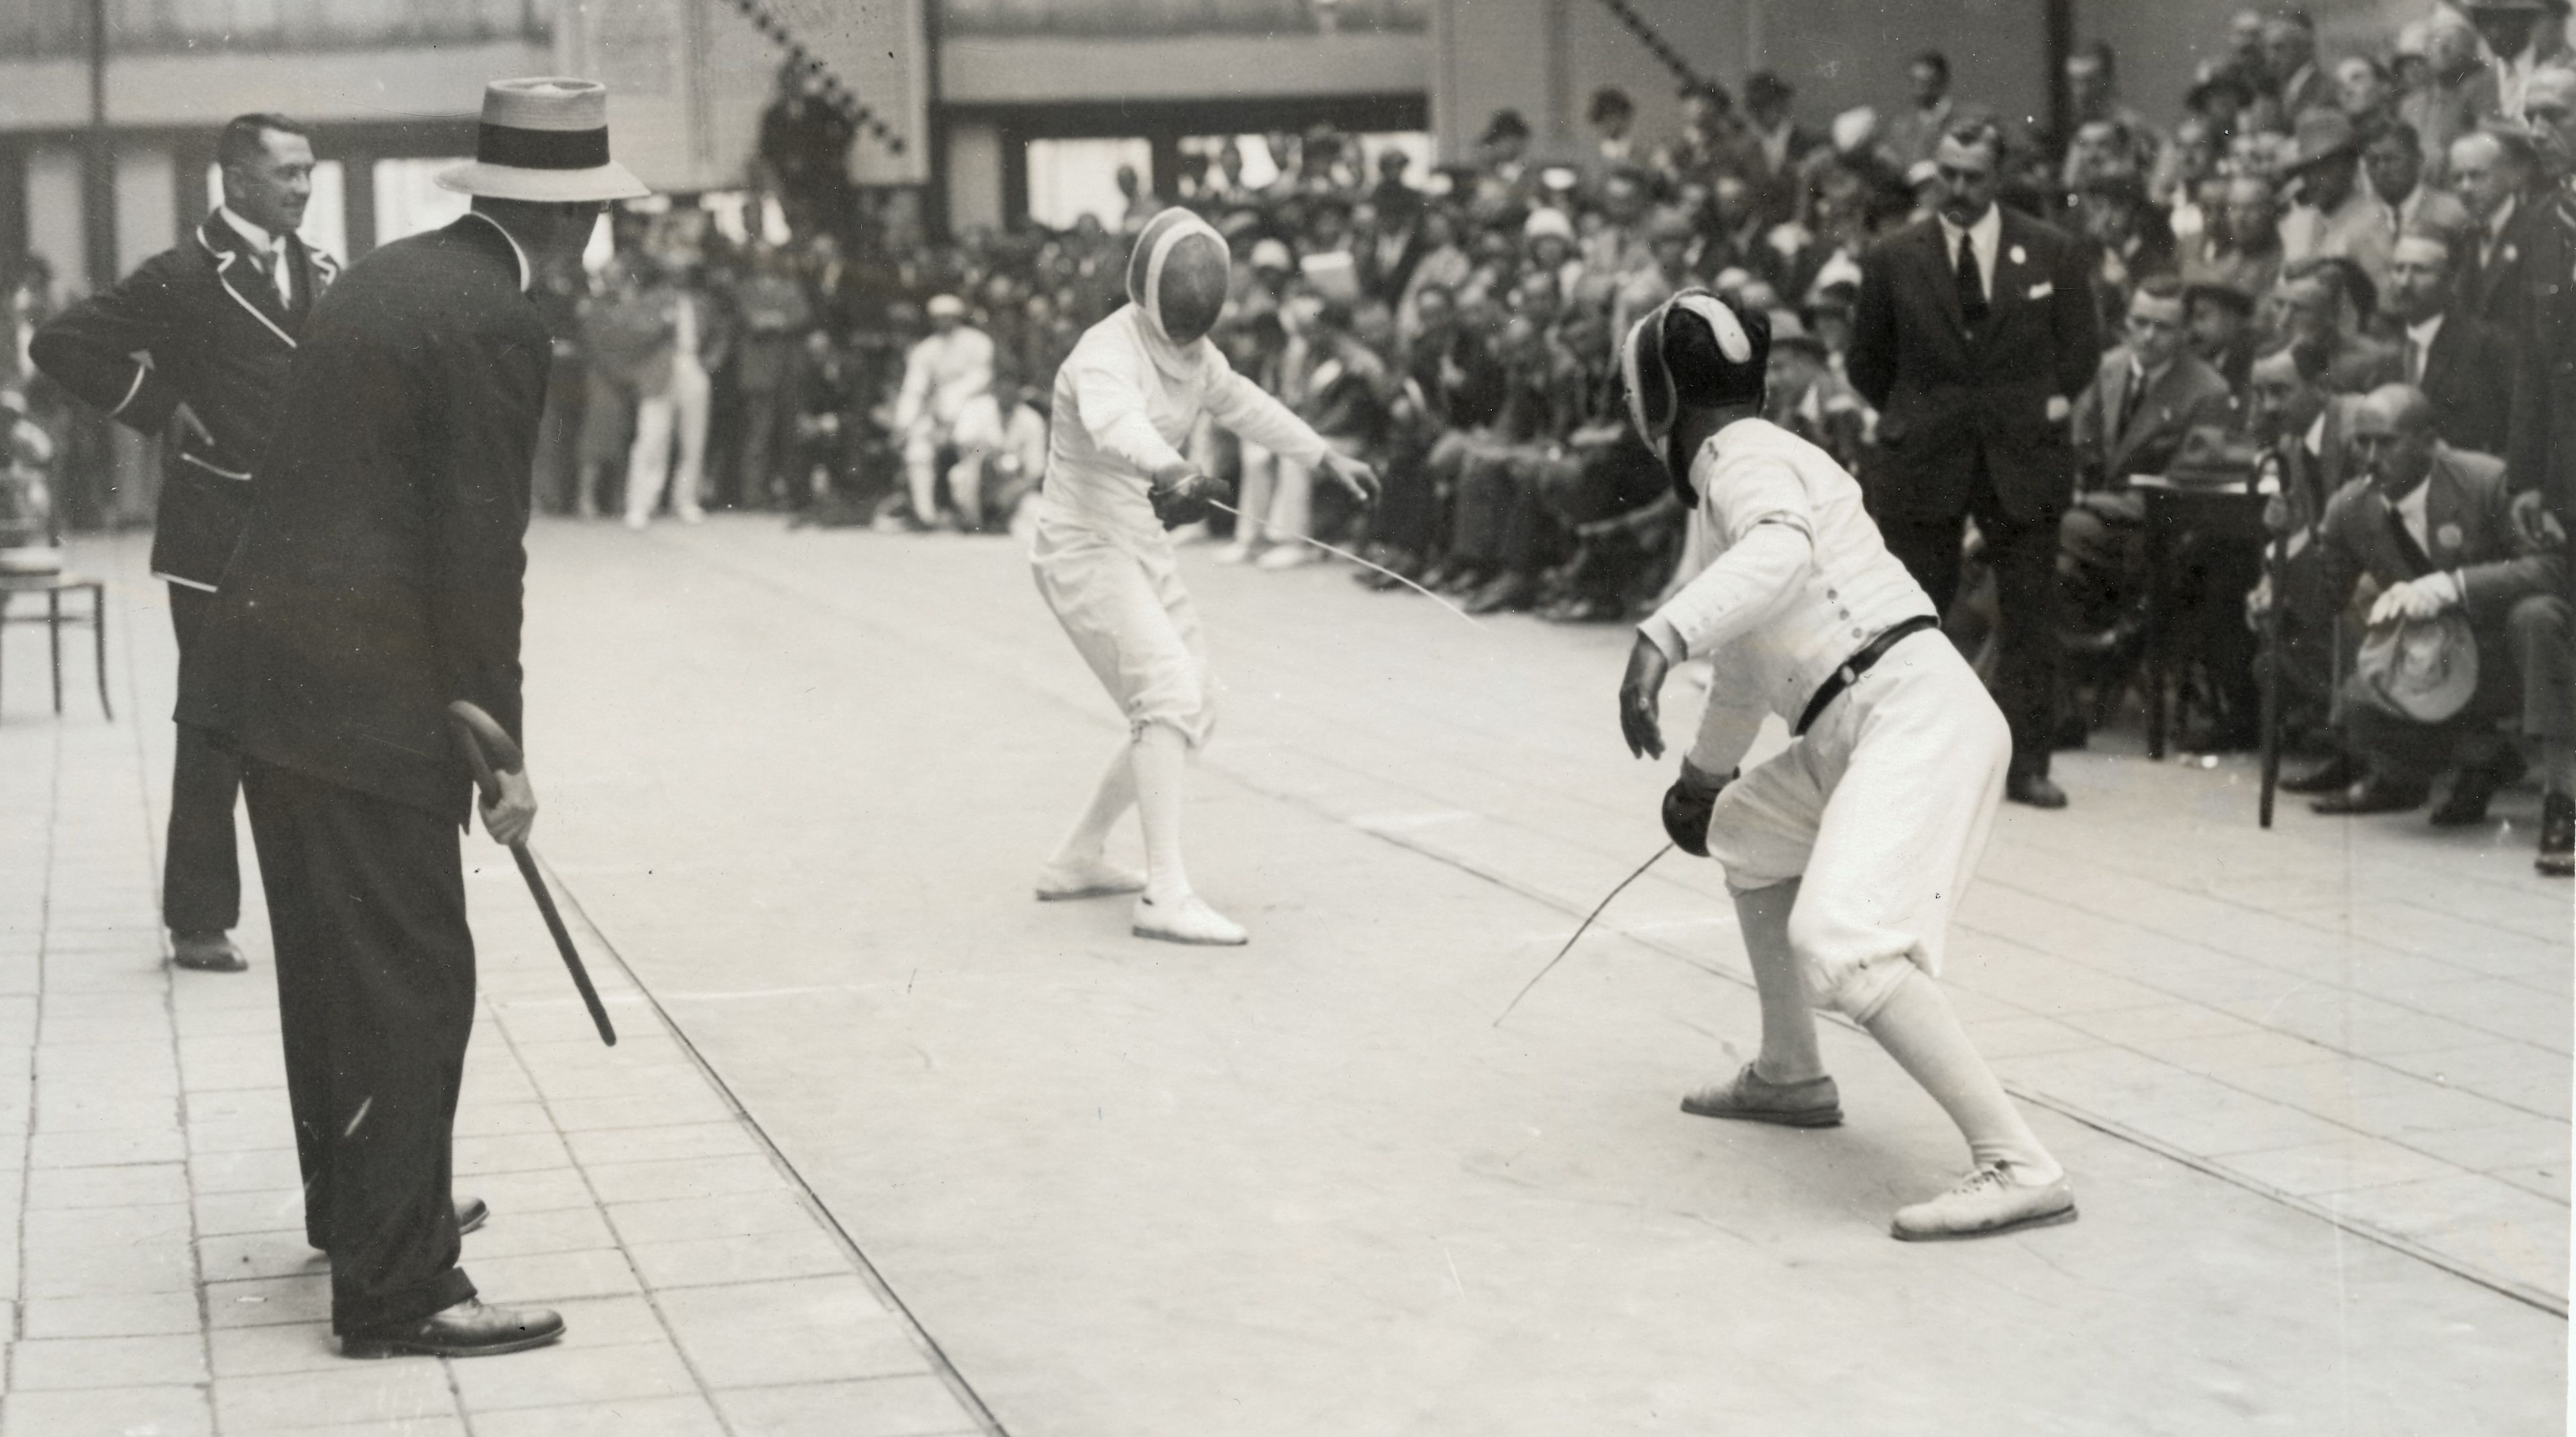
(53, 587)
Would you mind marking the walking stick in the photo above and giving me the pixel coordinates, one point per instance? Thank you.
(2278, 564)
(486, 745)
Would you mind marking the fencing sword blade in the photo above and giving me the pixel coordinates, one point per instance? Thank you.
(1585, 927)
(1354, 558)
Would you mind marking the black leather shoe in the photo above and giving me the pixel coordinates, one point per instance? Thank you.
(2371, 795)
(469, 1329)
(2339, 772)
(470, 1214)
(2471, 792)
(2034, 789)
(207, 953)
(2557, 836)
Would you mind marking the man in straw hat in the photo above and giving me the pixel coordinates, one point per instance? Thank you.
(378, 579)
(1846, 851)
(1125, 400)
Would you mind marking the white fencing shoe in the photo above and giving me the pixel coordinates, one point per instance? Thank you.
(1990, 1202)
(1187, 919)
(1098, 878)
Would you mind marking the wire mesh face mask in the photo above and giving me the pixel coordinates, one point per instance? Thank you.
(1654, 401)
(1178, 274)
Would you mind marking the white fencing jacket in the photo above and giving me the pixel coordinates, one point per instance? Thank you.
(1797, 580)
(1125, 401)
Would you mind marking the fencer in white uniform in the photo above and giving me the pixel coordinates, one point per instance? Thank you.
(1846, 851)
(1126, 399)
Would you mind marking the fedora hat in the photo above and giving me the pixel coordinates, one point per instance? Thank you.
(545, 140)
(2421, 669)
(2323, 134)
(2212, 457)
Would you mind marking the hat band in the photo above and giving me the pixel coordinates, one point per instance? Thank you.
(541, 149)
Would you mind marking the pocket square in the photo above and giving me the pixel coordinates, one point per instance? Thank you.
(2043, 289)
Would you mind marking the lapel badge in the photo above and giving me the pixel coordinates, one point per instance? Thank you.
(2020, 255)
(2448, 536)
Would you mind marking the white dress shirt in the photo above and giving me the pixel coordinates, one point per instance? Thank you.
(1797, 581)
(1988, 234)
(280, 272)
(941, 373)
(2419, 347)
(2412, 513)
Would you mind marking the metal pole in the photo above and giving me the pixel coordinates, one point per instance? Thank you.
(99, 162)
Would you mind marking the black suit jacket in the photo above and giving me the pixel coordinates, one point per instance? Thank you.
(379, 572)
(2468, 374)
(2541, 449)
(199, 323)
(1950, 401)
(2492, 290)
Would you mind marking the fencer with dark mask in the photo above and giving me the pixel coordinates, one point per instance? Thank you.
(1126, 399)
(1847, 850)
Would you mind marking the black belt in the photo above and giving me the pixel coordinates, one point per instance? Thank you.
(1857, 665)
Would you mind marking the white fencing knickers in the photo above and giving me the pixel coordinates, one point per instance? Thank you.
(1133, 622)
(1882, 809)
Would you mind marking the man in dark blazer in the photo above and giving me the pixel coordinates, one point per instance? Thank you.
(192, 347)
(2493, 169)
(2463, 363)
(2433, 528)
(378, 578)
(1974, 332)
(2541, 445)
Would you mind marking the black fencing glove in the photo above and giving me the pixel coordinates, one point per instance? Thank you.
(1687, 806)
(1185, 500)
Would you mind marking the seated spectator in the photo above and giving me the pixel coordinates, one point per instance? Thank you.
(2432, 530)
(1343, 390)
(1498, 537)
(2150, 392)
(2461, 362)
(2325, 306)
(2221, 322)
(2241, 249)
(1001, 446)
(947, 367)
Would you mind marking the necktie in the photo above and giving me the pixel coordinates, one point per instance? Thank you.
(2414, 360)
(284, 275)
(2129, 403)
(1972, 286)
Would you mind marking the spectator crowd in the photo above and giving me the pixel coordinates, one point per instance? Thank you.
(2315, 295)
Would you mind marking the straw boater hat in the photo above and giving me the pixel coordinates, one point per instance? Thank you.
(544, 140)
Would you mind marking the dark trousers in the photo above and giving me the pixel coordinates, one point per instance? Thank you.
(375, 996)
(2023, 555)
(201, 863)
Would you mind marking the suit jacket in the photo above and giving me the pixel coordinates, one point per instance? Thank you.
(2540, 451)
(2492, 289)
(2468, 374)
(2187, 395)
(198, 323)
(1953, 403)
(379, 572)
(2470, 532)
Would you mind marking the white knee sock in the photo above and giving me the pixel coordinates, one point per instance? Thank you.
(1160, 758)
(1918, 1029)
(1110, 800)
(1788, 1025)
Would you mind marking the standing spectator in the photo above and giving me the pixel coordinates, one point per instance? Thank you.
(2524, 37)
(1505, 173)
(670, 415)
(380, 577)
(2294, 82)
(2458, 91)
(2394, 160)
(1775, 146)
(1974, 333)
(1912, 136)
(2326, 307)
(775, 316)
(2493, 170)
(1707, 140)
(1613, 117)
(2541, 450)
(2461, 362)
(627, 340)
(948, 366)
(804, 149)
(2365, 92)
(2335, 215)
(194, 346)
(556, 483)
